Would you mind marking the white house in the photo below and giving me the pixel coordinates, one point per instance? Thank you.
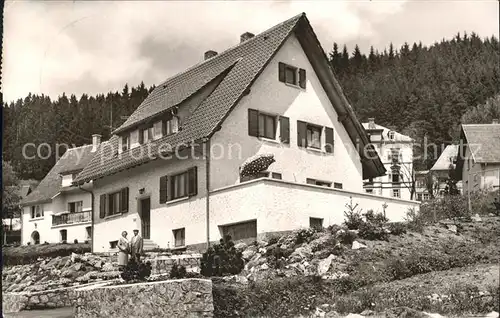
(478, 157)
(172, 170)
(444, 168)
(56, 211)
(396, 152)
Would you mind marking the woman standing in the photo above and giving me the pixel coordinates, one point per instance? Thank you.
(123, 247)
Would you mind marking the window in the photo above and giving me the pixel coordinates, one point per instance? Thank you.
(179, 237)
(395, 178)
(314, 136)
(125, 141)
(396, 193)
(180, 185)
(88, 232)
(113, 203)
(292, 75)
(75, 206)
(276, 175)
(369, 191)
(337, 185)
(426, 196)
(318, 182)
(309, 136)
(391, 135)
(36, 211)
(113, 244)
(419, 196)
(240, 231)
(64, 235)
(146, 135)
(394, 155)
(316, 223)
(267, 126)
(171, 126)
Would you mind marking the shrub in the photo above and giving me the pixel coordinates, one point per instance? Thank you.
(415, 220)
(75, 241)
(333, 229)
(178, 271)
(374, 226)
(347, 237)
(397, 228)
(305, 235)
(136, 271)
(353, 217)
(222, 259)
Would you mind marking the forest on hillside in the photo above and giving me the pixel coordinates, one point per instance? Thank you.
(422, 91)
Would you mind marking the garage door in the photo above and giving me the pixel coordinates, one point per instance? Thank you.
(241, 231)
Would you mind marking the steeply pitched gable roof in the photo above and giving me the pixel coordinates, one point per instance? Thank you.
(484, 141)
(74, 159)
(241, 65)
(443, 162)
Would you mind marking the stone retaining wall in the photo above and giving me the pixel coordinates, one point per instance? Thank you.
(54, 298)
(172, 298)
(162, 264)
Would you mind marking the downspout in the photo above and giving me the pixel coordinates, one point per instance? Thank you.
(91, 216)
(207, 183)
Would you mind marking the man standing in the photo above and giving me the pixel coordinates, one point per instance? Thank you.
(136, 244)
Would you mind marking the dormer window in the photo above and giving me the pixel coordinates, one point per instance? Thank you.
(146, 135)
(125, 143)
(171, 126)
(391, 135)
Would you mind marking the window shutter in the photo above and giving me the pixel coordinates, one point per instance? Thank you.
(285, 129)
(329, 139)
(302, 78)
(102, 207)
(301, 133)
(253, 122)
(163, 189)
(281, 72)
(124, 200)
(193, 181)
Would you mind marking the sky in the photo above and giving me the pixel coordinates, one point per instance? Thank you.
(92, 47)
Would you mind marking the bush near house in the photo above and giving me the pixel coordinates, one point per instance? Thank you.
(222, 259)
(21, 255)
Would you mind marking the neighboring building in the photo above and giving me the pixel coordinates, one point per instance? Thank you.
(478, 161)
(421, 186)
(11, 230)
(396, 152)
(444, 168)
(273, 93)
(56, 211)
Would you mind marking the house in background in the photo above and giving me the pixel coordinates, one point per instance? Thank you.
(172, 170)
(56, 211)
(422, 185)
(478, 157)
(444, 168)
(11, 226)
(396, 152)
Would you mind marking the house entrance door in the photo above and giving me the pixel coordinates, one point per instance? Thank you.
(146, 218)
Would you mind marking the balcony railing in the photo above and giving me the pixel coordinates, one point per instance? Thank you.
(72, 218)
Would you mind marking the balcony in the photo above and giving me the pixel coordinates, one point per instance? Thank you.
(72, 218)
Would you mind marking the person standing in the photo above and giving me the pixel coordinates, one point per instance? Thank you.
(123, 250)
(137, 245)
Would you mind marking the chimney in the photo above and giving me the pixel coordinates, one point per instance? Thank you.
(495, 121)
(246, 36)
(210, 54)
(96, 140)
(371, 123)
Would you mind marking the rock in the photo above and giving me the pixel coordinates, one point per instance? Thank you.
(354, 316)
(262, 243)
(368, 312)
(492, 314)
(301, 253)
(324, 265)
(34, 300)
(356, 245)
(253, 262)
(264, 266)
(44, 299)
(77, 267)
(476, 218)
(240, 247)
(263, 250)
(249, 253)
(108, 267)
(319, 312)
(75, 257)
(98, 264)
(404, 312)
(452, 228)
(54, 262)
(332, 314)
